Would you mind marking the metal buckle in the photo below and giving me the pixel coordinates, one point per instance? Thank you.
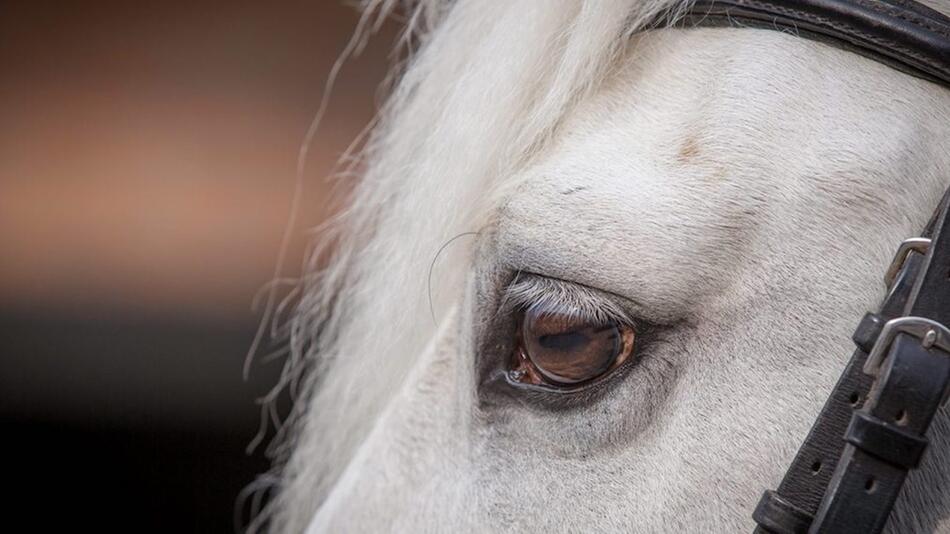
(931, 334)
(916, 244)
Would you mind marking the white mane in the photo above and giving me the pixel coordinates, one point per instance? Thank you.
(483, 92)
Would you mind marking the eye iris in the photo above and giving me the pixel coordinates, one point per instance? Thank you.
(566, 351)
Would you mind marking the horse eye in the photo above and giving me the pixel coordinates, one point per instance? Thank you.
(563, 351)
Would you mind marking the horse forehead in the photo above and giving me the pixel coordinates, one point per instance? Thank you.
(682, 156)
(618, 227)
(641, 174)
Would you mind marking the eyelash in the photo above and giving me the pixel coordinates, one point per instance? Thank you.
(532, 292)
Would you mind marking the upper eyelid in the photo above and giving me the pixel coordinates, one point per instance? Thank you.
(532, 291)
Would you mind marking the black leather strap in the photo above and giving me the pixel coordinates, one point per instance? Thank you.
(851, 467)
(901, 33)
(909, 389)
(810, 472)
(866, 484)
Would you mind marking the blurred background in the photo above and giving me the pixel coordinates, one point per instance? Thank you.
(147, 155)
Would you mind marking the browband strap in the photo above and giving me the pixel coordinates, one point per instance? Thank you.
(903, 34)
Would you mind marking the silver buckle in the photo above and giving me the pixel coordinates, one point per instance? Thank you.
(929, 332)
(916, 244)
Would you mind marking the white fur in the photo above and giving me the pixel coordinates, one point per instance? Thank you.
(742, 188)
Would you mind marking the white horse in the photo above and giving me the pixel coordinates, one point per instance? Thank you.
(724, 200)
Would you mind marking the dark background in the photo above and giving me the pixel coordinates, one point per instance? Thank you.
(147, 159)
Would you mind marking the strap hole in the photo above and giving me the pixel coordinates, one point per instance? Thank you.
(901, 417)
(870, 485)
(854, 398)
(816, 467)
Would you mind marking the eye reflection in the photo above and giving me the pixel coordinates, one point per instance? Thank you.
(563, 351)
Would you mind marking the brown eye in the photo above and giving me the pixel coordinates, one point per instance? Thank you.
(561, 350)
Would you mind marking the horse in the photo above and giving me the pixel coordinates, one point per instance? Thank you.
(710, 207)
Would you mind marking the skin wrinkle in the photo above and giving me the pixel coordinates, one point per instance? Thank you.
(758, 254)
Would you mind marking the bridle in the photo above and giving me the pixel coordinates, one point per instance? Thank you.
(872, 430)
(903, 34)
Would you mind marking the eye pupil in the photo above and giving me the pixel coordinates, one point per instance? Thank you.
(561, 350)
(564, 342)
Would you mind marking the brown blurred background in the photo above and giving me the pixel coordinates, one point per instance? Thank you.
(147, 157)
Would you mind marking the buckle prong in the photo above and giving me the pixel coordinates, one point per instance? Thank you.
(929, 339)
